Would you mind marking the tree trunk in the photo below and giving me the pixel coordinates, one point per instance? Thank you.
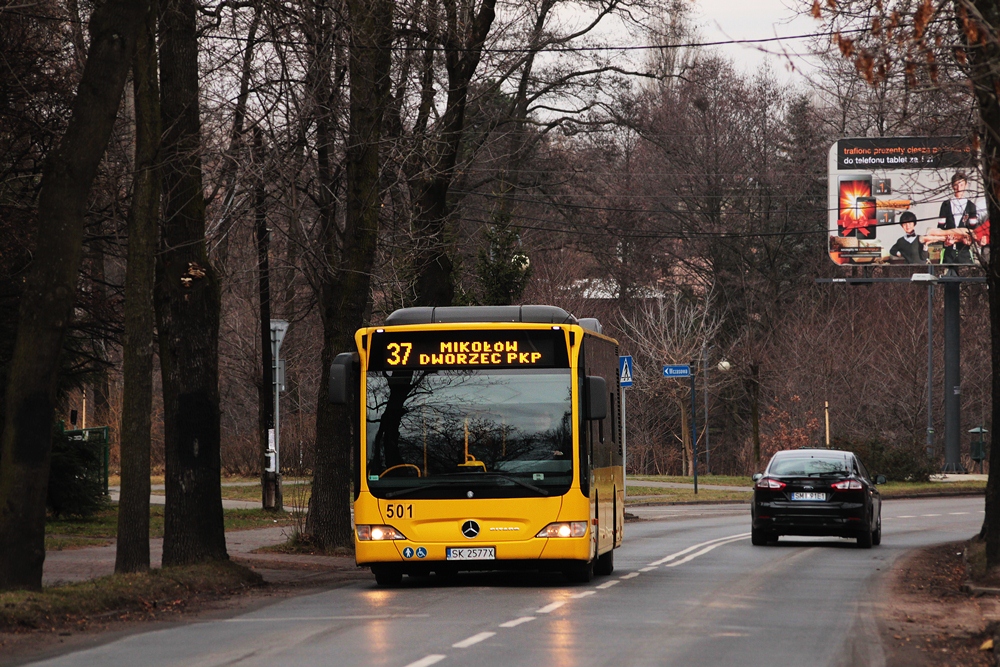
(132, 551)
(685, 439)
(984, 61)
(187, 309)
(754, 389)
(48, 298)
(346, 290)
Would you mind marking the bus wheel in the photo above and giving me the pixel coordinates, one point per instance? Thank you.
(605, 564)
(387, 576)
(580, 573)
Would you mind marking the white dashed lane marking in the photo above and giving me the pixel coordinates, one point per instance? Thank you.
(474, 639)
(584, 594)
(608, 584)
(549, 608)
(630, 575)
(517, 621)
(428, 661)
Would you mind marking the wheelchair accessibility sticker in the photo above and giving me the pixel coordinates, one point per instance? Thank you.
(421, 552)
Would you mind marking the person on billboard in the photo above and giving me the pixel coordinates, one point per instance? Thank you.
(909, 246)
(958, 213)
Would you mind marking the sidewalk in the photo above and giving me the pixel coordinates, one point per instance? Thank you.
(72, 565)
(683, 485)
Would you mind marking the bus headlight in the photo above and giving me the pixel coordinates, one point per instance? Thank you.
(378, 533)
(564, 529)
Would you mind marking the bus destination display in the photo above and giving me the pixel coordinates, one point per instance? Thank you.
(468, 349)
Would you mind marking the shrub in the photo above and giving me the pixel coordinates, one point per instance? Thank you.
(76, 478)
(898, 462)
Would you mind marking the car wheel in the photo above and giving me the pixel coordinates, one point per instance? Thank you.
(605, 564)
(580, 573)
(387, 576)
(877, 533)
(865, 538)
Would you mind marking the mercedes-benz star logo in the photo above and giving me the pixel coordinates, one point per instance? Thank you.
(470, 529)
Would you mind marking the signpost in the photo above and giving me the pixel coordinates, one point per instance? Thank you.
(683, 371)
(272, 471)
(625, 382)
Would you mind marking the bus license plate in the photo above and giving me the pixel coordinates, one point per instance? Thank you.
(798, 495)
(471, 553)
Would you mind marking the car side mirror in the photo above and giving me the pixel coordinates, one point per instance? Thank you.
(757, 476)
(341, 378)
(880, 479)
(597, 397)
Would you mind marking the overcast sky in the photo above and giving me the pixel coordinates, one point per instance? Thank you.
(755, 19)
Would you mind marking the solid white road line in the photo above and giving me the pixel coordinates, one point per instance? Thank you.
(474, 639)
(517, 621)
(305, 619)
(630, 575)
(691, 557)
(428, 660)
(608, 584)
(583, 594)
(698, 546)
(646, 569)
(549, 608)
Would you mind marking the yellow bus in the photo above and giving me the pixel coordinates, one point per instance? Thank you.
(490, 439)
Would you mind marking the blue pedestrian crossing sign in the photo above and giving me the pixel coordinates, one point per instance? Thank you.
(676, 371)
(625, 371)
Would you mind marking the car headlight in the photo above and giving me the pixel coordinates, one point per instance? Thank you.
(564, 529)
(378, 533)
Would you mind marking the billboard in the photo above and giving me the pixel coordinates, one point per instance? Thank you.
(906, 200)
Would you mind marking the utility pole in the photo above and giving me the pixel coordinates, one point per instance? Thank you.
(265, 413)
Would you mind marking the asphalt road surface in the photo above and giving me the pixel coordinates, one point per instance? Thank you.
(688, 589)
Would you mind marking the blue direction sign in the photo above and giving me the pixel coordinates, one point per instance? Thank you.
(677, 371)
(625, 371)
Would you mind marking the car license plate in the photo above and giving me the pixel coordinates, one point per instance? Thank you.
(806, 495)
(471, 553)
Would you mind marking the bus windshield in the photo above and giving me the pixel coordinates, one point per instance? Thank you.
(458, 433)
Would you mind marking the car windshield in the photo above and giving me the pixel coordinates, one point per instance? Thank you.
(491, 432)
(811, 466)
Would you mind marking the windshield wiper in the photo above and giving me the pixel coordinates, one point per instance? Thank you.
(520, 482)
(459, 482)
(411, 489)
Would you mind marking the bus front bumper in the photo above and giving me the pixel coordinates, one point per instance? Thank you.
(542, 552)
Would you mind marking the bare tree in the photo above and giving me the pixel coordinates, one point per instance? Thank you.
(47, 302)
(132, 548)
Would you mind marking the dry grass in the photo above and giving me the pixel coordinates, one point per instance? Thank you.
(164, 589)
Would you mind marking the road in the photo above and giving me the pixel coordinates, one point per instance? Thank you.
(688, 589)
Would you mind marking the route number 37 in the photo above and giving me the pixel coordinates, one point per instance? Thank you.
(399, 512)
(400, 353)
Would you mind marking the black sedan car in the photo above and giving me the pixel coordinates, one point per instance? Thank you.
(816, 492)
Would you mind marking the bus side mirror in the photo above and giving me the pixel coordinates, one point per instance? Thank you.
(597, 397)
(340, 378)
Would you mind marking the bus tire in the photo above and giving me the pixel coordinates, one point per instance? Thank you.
(605, 564)
(580, 573)
(387, 576)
